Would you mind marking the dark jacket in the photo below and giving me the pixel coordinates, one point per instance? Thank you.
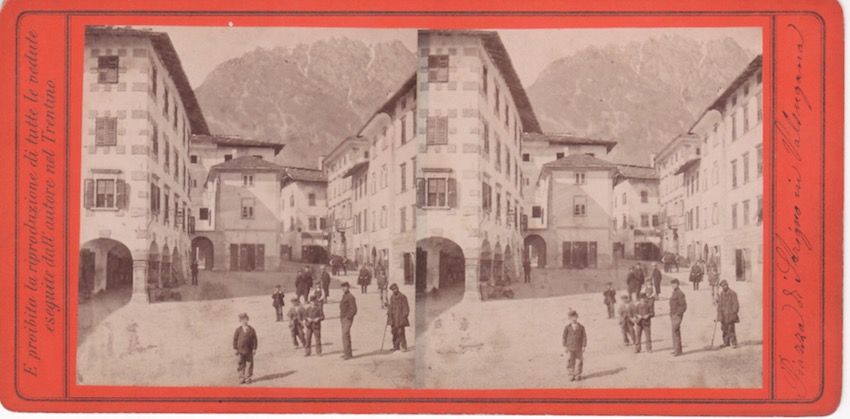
(609, 296)
(696, 273)
(347, 306)
(314, 315)
(365, 277)
(575, 339)
(645, 310)
(678, 305)
(296, 316)
(300, 284)
(633, 281)
(727, 306)
(277, 299)
(245, 342)
(398, 311)
(326, 279)
(308, 279)
(656, 276)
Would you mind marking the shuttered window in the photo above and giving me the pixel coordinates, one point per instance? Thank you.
(436, 192)
(107, 69)
(106, 131)
(437, 130)
(103, 193)
(438, 68)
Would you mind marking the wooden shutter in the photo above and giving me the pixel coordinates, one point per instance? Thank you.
(234, 257)
(121, 194)
(191, 225)
(261, 257)
(442, 130)
(451, 192)
(420, 192)
(100, 131)
(111, 131)
(88, 193)
(431, 130)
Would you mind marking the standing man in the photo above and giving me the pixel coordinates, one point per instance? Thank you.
(575, 342)
(364, 279)
(645, 311)
(299, 286)
(245, 345)
(297, 315)
(194, 268)
(633, 284)
(347, 311)
(656, 280)
(526, 269)
(313, 317)
(678, 306)
(627, 312)
(696, 274)
(397, 318)
(713, 276)
(382, 281)
(326, 283)
(277, 303)
(727, 314)
(308, 278)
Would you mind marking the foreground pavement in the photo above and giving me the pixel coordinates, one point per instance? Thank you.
(189, 343)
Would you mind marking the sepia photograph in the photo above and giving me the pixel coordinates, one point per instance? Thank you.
(440, 209)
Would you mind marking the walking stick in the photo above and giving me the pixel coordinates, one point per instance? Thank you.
(384, 338)
(713, 334)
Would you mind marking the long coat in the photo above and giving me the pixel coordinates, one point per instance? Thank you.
(326, 280)
(575, 339)
(300, 284)
(678, 305)
(633, 282)
(398, 311)
(347, 306)
(365, 277)
(277, 299)
(727, 307)
(245, 341)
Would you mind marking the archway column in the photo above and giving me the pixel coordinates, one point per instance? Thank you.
(140, 281)
(472, 286)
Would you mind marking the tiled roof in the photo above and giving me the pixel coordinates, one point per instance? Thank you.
(165, 49)
(496, 49)
(566, 139)
(579, 160)
(301, 174)
(637, 172)
(244, 164)
(236, 142)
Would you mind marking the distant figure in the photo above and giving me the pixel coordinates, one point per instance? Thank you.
(640, 274)
(644, 312)
(347, 311)
(334, 262)
(526, 269)
(301, 288)
(397, 318)
(678, 306)
(382, 282)
(609, 297)
(345, 265)
(308, 277)
(245, 345)
(313, 316)
(727, 314)
(365, 279)
(633, 283)
(713, 276)
(194, 268)
(575, 342)
(626, 313)
(656, 279)
(696, 274)
(676, 262)
(296, 323)
(326, 283)
(277, 303)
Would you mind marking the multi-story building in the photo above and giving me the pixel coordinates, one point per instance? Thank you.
(681, 153)
(304, 211)
(348, 154)
(732, 134)
(247, 199)
(538, 150)
(472, 111)
(207, 151)
(636, 213)
(140, 112)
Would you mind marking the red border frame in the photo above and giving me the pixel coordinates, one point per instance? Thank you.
(817, 17)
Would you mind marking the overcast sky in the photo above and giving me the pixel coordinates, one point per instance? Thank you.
(202, 48)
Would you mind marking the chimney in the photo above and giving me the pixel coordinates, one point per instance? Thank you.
(321, 162)
(652, 157)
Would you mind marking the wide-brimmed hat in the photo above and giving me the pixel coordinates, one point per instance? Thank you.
(243, 316)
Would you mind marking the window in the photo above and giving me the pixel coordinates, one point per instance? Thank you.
(496, 103)
(746, 167)
(498, 203)
(166, 154)
(734, 164)
(655, 220)
(194, 183)
(759, 210)
(759, 161)
(486, 197)
(484, 79)
(734, 216)
(559, 156)
(311, 200)
(759, 108)
(165, 205)
(154, 80)
(485, 135)
(311, 222)
(746, 115)
(580, 206)
(624, 198)
(498, 161)
(105, 193)
(644, 197)
(107, 69)
(291, 223)
(734, 125)
(384, 216)
(106, 131)
(715, 214)
(438, 68)
(247, 207)
(580, 176)
(526, 157)
(374, 224)
(323, 223)
(204, 214)
(437, 130)
(402, 168)
(644, 220)
(154, 198)
(384, 176)
(228, 157)
(437, 191)
(291, 201)
(165, 101)
(154, 141)
(403, 123)
(536, 211)
(402, 221)
(745, 217)
(193, 159)
(247, 180)
(412, 217)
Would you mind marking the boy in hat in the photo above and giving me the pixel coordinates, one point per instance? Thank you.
(644, 312)
(245, 345)
(397, 318)
(313, 319)
(609, 298)
(277, 303)
(626, 312)
(575, 342)
(296, 326)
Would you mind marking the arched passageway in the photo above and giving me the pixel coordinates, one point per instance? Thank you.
(535, 250)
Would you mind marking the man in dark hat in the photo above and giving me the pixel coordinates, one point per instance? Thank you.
(397, 318)
(727, 314)
(656, 280)
(277, 303)
(364, 279)
(575, 342)
(347, 311)
(326, 283)
(245, 345)
(300, 286)
(633, 283)
(308, 278)
(678, 306)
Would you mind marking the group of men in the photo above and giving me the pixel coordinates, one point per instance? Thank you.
(636, 279)
(305, 321)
